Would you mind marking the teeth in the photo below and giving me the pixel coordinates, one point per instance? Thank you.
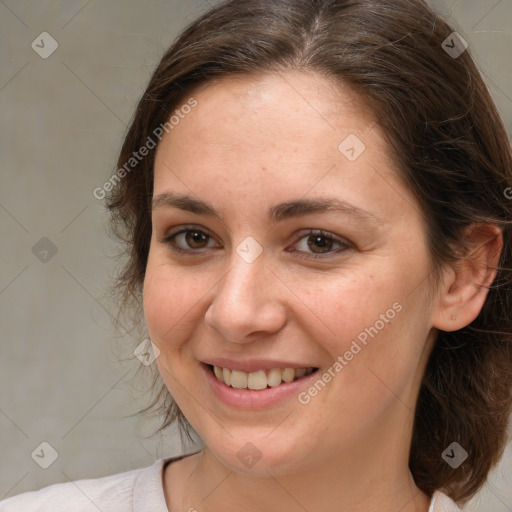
(288, 374)
(274, 377)
(218, 373)
(238, 379)
(226, 376)
(257, 380)
(260, 379)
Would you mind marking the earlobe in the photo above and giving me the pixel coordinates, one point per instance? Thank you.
(467, 281)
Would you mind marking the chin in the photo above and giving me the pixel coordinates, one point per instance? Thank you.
(256, 454)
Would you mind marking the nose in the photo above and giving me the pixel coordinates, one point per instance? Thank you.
(248, 302)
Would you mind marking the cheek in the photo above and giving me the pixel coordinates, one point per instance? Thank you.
(345, 307)
(375, 324)
(172, 301)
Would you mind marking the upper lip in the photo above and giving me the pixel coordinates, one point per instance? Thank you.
(253, 365)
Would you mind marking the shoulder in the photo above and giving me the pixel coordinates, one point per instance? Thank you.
(109, 493)
(442, 503)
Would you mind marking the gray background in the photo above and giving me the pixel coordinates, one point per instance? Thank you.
(66, 377)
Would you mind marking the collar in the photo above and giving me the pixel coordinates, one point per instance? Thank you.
(442, 503)
(148, 489)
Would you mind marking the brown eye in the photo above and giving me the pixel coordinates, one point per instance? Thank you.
(188, 240)
(195, 239)
(320, 242)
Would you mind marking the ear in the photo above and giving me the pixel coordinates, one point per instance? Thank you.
(467, 281)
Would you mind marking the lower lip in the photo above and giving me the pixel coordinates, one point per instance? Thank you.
(256, 399)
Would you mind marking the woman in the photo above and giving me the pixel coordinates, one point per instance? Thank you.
(314, 195)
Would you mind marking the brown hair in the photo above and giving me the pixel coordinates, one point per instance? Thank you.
(451, 150)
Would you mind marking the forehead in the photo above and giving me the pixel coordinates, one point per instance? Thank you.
(275, 135)
(288, 109)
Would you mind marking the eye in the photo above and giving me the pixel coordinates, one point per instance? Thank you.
(187, 239)
(320, 242)
(314, 243)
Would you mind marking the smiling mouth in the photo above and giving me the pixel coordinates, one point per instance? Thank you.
(261, 379)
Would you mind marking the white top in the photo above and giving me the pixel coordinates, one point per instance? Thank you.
(138, 490)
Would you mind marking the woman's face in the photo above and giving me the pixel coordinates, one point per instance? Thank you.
(275, 279)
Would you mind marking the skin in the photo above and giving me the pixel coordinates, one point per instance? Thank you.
(251, 143)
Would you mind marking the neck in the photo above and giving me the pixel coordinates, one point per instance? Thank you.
(377, 486)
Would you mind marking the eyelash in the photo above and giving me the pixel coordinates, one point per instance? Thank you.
(168, 239)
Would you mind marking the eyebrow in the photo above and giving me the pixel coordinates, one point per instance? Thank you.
(276, 213)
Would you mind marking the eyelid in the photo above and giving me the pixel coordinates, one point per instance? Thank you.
(346, 245)
(183, 228)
